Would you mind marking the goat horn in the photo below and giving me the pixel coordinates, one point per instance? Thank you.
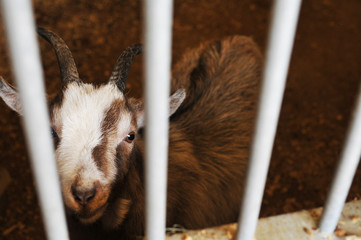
(68, 70)
(122, 66)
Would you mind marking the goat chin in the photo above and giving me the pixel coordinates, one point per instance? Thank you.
(94, 217)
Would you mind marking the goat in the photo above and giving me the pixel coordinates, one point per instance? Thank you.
(99, 139)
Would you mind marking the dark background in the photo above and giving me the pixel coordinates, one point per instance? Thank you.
(323, 80)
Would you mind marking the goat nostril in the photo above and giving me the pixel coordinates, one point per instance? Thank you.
(83, 197)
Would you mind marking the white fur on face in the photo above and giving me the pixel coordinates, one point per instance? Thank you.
(78, 122)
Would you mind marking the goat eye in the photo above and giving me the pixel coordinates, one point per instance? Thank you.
(130, 137)
(53, 133)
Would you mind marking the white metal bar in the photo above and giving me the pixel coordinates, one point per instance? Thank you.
(345, 172)
(282, 30)
(20, 31)
(158, 32)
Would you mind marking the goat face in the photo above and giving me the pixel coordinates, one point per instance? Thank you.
(94, 129)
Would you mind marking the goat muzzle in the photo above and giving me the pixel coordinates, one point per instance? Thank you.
(83, 196)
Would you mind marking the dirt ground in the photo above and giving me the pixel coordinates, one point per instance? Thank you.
(323, 80)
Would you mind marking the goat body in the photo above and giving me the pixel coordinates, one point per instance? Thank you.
(99, 139)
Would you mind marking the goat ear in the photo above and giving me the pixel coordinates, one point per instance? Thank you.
(10, 97)
(174, 102)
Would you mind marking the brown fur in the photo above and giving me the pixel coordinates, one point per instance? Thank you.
(109, 124)
(209, 140)
(210, 133)
(112, 117)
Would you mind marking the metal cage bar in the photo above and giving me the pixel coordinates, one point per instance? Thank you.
(282, 30)
(345, 172)
(158, 32)
(26, 63)
(21, 35)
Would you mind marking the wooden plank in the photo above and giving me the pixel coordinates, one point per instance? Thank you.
(300, 225)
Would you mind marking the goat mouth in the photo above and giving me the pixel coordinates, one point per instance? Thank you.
(87, 216)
